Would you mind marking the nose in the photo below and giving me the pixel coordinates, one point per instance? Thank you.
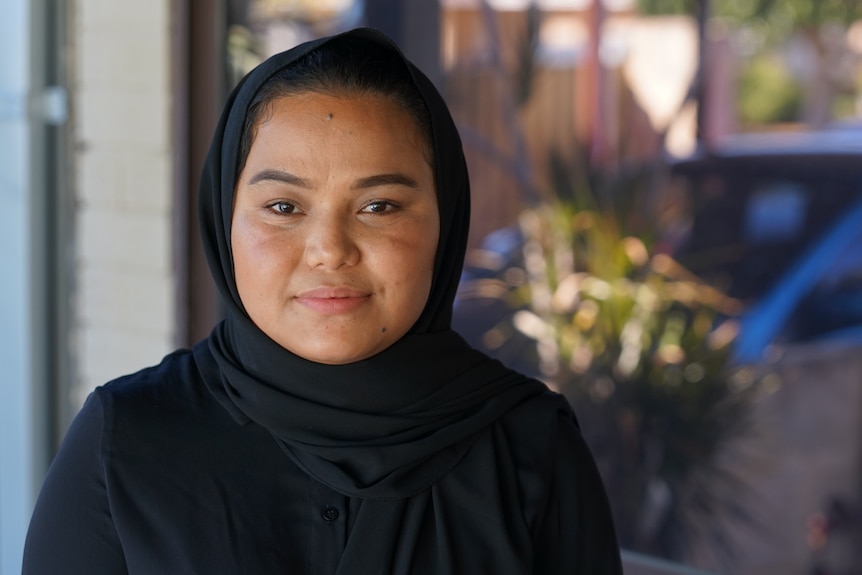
(330, 243)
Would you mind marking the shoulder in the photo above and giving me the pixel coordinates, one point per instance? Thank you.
(161, 402)
(543, 439)
(74, 521)
(540, 419)
(163, 422)
(532, 427)
(164, 379)
(173, 384)
(562, 495)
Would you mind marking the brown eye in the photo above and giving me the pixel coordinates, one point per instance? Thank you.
(379, 207)
(283, 208)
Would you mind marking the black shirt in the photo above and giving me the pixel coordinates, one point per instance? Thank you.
(154, 476)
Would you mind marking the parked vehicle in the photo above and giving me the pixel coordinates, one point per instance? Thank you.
(778, 223)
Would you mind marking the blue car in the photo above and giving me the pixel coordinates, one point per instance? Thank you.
(778, 224)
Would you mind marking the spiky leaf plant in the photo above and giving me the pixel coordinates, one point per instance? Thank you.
(641, 347)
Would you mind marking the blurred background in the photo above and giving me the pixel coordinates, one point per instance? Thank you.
(666, 227)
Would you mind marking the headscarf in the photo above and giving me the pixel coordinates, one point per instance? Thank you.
(385, 428)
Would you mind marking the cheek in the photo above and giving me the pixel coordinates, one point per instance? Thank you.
(416, 266)
(260, 260)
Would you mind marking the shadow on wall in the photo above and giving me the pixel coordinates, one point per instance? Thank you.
(637, 564)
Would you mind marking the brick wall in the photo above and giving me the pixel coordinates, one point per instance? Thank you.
(122, 166)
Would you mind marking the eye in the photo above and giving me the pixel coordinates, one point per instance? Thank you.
(379, 207)
(285, 208)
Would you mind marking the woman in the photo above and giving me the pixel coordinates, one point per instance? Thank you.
(333, 422)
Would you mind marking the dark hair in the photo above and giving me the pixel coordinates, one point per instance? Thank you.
(341, 67)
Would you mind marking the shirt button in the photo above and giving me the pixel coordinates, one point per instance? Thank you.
(330, 514)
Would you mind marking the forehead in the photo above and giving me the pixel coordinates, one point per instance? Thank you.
(303, 103)
(356, 117)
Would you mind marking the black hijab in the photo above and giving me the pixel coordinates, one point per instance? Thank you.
(385, 428)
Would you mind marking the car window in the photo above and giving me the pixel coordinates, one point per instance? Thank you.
(775, 212)
(751, 221)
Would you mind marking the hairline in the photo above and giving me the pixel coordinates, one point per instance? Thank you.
(261, 111)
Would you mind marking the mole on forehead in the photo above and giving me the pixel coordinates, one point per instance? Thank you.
(329, 116)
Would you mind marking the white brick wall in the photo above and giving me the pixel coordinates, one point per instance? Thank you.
(121, 122)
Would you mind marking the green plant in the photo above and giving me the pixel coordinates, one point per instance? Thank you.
(641, 348)
(768, 94)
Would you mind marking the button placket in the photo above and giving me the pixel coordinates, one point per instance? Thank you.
(328, 512)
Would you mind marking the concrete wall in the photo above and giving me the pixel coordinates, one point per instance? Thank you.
(17, 443)
(122, 164)
(806, 448)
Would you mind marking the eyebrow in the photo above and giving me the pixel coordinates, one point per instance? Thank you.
(392, 179)
(280, 176)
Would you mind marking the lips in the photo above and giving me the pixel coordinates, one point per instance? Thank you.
(333, 300)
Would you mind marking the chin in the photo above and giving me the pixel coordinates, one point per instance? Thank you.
(329, 356)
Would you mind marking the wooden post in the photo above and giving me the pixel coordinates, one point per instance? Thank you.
(596, 87)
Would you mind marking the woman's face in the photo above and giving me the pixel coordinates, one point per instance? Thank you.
(335, 226)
